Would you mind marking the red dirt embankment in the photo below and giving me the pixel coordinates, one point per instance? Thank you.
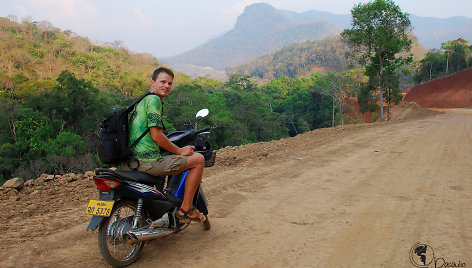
(451, 92)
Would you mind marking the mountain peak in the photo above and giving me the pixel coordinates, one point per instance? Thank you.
(262, 16)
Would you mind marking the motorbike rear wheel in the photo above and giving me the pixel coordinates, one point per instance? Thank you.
(114, 250)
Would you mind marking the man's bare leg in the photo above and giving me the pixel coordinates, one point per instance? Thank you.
(196, 163)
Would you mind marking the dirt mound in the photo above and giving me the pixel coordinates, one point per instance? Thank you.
(411, 110)
(451, 92)
(48, 199)
(402, 111)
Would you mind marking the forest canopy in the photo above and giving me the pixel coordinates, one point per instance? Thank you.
(56, 87)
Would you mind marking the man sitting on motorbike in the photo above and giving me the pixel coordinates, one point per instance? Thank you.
(148, 114)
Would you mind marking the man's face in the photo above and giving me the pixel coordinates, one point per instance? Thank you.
(163, 85)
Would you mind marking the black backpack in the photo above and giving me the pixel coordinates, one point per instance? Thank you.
(114, 134)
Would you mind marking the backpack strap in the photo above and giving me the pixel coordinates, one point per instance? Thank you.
(131, 107)
(138, 139)
(162, 116)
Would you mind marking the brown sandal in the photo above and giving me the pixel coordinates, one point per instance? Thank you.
(187, 217)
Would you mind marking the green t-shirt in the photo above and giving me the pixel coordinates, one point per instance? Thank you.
(148, 113)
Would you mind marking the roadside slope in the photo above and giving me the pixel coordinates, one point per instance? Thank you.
(450, 92)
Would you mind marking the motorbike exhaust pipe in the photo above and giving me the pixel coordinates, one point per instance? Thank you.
(133, 237)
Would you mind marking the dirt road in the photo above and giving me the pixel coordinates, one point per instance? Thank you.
(354, 196)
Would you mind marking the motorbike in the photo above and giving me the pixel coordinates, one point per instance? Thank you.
(134, 207)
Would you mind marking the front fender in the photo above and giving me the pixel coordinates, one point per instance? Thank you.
(200, 201)
(96, 220)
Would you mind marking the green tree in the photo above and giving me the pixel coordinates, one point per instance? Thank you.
(431, 67)
(31, 88)
(66, 144)
(207, 83)
(31, 129)
(182, 104)
(306, 110)
(71, 104)
(240, 82)
(457, 52)
(394, 94)
(456, 57)
(339, 87)
(379, 33)
(10, 157)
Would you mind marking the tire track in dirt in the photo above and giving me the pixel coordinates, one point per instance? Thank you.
(410, 186)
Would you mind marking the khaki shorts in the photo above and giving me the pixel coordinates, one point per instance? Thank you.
(168, 165)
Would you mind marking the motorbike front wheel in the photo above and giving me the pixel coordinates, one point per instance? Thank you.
(206, 224)
(114, 250)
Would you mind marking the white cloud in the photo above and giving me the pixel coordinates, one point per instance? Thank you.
(78, 15)
(86, 19)
(141, 17)
(63, 10)
(129, 24)
(22, 12)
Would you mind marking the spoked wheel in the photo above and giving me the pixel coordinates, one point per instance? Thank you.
(111, 243)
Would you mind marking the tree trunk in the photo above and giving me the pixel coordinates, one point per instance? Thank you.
(381, 106)
(306, 125)
(381, 91)
(390, 108)
(293, 124)
(447, 63)
(12, 125)
(431, 72)
(332, 124)
(294, 128)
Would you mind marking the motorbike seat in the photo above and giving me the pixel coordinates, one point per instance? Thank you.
(136, 176)
(141, 177)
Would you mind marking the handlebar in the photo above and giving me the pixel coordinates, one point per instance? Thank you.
(202, 130)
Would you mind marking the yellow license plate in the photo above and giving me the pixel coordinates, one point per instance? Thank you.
(99, 208)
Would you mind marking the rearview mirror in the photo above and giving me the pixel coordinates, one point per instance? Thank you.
(202, 113)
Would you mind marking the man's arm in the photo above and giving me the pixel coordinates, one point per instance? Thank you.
(162, 140)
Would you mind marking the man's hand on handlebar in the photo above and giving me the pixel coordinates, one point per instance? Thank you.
(187, 150)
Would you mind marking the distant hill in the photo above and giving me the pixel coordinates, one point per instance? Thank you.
(327, 55)
(341, 21)
(262, 29)
(431, 32)
(34, 52)
(298, 60)
(259, 30)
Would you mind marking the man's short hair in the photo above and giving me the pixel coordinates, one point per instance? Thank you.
(160, 70)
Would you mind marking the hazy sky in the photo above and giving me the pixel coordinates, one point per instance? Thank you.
(165, 28)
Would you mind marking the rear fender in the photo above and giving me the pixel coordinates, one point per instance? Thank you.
(96, 220)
